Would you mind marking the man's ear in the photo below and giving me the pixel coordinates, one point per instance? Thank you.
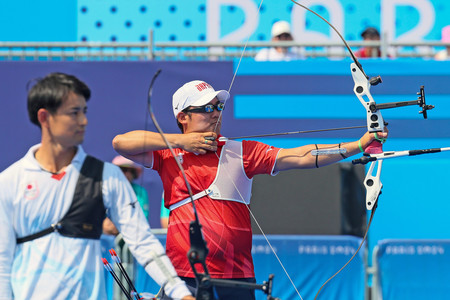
(43, 116)
(182, 117)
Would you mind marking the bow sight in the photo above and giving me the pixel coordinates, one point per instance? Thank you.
(420, 101)
(375, 122)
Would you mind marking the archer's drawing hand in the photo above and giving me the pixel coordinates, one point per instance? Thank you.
(199, 142)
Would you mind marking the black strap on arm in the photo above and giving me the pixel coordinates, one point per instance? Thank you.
(87, 212)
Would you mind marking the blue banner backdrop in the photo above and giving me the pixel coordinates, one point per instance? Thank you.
(217, 20)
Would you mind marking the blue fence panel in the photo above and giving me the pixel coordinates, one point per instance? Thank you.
(413, 269)
(308, 260)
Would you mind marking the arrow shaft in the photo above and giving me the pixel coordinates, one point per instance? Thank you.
(295, 132)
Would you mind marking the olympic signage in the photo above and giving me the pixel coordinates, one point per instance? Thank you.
(399, 20)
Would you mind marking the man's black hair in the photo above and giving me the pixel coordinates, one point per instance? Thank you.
(370, 31)
(51, 91)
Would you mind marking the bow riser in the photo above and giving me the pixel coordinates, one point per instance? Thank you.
(373, 184)
(375, 122)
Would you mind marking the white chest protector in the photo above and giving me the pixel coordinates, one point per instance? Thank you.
(231, 182)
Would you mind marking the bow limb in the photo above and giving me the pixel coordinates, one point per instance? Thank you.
(362, 82)
(152, 115)
(374, 119)
(372, 182)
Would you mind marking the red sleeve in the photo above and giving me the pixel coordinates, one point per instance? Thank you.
(258, 158)
(361, 53)
(157, 159)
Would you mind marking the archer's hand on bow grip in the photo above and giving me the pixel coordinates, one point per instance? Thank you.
(376, 145)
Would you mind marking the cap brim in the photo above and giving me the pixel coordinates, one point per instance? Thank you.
(280, 32)
(222, 95)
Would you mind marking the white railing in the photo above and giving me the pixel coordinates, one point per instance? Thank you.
(198, 50)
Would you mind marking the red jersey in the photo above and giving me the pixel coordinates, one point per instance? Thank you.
(364, 53)
(225, 224)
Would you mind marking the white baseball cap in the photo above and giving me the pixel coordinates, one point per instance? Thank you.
(195, 93)
(280, 27)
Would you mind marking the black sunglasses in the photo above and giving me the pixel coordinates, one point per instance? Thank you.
(208, 108)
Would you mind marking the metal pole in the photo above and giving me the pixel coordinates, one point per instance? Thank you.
(150, 45)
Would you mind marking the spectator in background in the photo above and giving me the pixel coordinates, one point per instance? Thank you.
(281, 32)
(445, 38)
(164, 216)
(369, 34)
(132, 171)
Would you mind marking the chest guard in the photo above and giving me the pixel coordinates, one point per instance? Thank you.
(87, 212)
(231, 183)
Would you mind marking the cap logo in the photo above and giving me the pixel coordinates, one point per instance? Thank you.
(203, 86)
